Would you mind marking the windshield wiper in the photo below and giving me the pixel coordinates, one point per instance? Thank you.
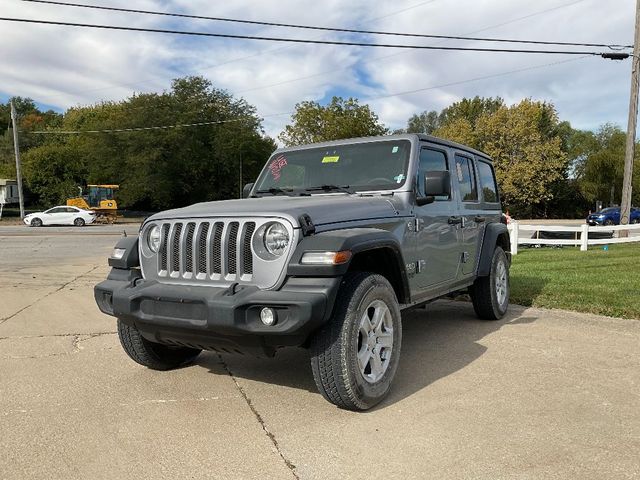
(277, 191)
(329, 188)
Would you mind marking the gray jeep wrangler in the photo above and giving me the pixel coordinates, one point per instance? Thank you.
(326, 249)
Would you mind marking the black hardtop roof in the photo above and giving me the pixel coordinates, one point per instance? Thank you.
(420, 136)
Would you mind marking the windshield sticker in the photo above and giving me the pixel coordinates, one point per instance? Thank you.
(399, 178)
(394, 149)
(276, 166)
(333, 159)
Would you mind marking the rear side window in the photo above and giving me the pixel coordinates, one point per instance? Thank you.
(430, 161)
(488, 182)
(466, 176)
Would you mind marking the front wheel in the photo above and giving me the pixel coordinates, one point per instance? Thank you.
(153, 355)
(36, 222)
(490, 294)
(354, 357)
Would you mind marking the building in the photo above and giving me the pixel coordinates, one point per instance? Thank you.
(8, 192)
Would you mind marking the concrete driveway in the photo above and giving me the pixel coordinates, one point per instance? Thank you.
(541, 394)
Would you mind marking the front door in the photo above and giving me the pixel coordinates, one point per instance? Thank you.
(437, 237)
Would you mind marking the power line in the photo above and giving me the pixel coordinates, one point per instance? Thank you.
(325, 29)
(397, 94)
(139, 129)
(299, 40)
(484, 77)
(383, 57)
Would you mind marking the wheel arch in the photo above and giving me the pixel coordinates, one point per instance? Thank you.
(495, 235)
(373, 250)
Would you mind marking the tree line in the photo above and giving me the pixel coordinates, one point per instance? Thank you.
(544, 167)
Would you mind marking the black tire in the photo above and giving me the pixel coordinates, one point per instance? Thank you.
(335, 348)
(153, 355)
(635, 221)
(608, 222)
(79, 222)
(490, 300)
(36, 222)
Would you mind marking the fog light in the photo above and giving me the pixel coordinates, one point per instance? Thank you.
(268, 316)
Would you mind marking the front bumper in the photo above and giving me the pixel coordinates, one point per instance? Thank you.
(218, 319)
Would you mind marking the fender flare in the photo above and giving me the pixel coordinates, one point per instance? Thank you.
(357, 240)
(130, 257)
(491, 235)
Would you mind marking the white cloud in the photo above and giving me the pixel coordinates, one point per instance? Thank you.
(65, 66)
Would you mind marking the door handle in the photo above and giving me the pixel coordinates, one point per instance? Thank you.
(479, 219)
(455, 220)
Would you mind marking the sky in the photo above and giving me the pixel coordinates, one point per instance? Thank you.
(60, 67)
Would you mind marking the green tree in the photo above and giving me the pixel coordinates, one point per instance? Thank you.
(528, 157)
(160, 168)
(470, 109)
(312, 122)
(54, 172)
(425, 122)
(599, 164)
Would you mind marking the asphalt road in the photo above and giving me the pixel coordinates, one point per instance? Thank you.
(540, 394)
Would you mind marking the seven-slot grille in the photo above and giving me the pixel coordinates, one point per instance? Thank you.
(201, 250)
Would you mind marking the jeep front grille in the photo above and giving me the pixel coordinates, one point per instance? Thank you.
(201, 250)
(213, 252)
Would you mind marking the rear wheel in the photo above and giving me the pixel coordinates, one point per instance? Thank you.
(153, 355)
(490, 294)
(354, 357)
(36, 222)
(79, 222)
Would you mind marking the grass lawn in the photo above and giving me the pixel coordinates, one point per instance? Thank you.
(597, 281)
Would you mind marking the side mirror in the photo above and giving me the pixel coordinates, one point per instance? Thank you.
(436, 184)
(247, 190)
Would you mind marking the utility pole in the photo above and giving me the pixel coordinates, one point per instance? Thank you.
(16, 146)
(625, 204)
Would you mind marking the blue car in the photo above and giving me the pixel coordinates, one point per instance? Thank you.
(611, 216)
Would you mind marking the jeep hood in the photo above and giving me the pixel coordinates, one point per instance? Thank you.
(323, 209)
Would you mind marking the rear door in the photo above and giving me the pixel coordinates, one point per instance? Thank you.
(437, 238)
(472, 221)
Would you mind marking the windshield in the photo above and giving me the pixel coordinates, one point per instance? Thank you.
(359, 166)
(609, 210)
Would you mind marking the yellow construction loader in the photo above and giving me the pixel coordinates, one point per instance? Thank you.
(98, 198)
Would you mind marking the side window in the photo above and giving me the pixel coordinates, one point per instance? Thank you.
(466, 175)
(488, 182)
(57, 210)
(431, 160)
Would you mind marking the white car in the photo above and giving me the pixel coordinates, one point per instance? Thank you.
(62, 215)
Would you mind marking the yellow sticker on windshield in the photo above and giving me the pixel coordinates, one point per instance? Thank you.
(331, 159)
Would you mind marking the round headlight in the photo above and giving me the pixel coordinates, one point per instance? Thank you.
(154, 238)
(276, 239)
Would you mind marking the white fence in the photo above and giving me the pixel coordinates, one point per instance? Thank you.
(580, 235)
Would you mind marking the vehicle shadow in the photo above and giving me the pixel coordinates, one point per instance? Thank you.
(438, 340)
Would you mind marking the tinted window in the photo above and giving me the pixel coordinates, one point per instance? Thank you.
(466, 176)
(489, 189)
(57, 210)
(431, 160)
